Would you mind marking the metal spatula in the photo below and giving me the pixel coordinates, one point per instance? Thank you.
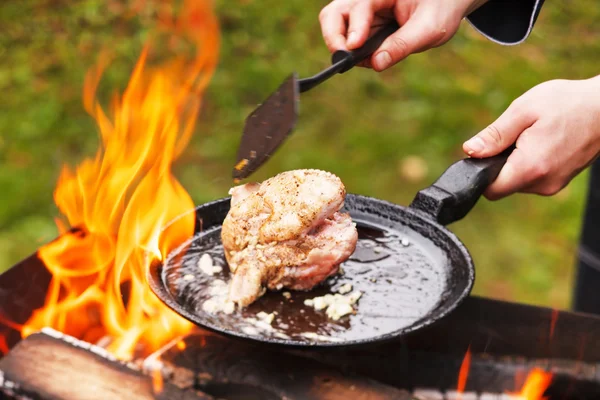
(270, 124)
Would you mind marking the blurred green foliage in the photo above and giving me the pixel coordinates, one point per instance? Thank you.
(386, 135)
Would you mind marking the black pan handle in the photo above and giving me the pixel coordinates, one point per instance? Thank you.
(351, 58)
(459, 188)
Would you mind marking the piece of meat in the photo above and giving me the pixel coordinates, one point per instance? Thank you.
(286, 232)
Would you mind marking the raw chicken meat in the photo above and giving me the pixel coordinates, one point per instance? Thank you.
(286, 232)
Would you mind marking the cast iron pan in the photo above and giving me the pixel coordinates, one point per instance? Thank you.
(411, 270)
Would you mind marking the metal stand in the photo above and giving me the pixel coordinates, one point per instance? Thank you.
(587, 284)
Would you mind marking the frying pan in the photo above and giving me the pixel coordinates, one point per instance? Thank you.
(411, 270)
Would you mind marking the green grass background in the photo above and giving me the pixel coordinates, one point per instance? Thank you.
(386, 135)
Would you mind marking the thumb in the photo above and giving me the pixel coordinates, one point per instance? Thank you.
(498, 136)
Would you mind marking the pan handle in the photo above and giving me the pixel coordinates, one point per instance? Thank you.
(459, 188)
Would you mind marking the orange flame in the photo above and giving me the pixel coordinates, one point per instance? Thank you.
(119, 202)
(3, 345)
(536, 384)
(157, 381)
(464, 372)
(533, 389)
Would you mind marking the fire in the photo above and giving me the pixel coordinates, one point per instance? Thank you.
(157, 381)
(3, 345)
(118, 203)
(463, 373)
(536, 384)
(533, 389)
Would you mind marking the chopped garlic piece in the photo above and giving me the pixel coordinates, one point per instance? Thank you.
(320, 303)
(206, 264)
(281, 335)
(249, 330)
(218, 301)
(354, 296)
(229, 307)
(378, 249)
(218, 288)
(188, 277)
(287, 295)
(268, 318)
(336, 305)
(216, 269)
(338, 310)
(262, 321)
(347, 288)
(210, 306)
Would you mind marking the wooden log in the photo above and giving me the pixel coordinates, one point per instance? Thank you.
(213, 362)
(52, 366)
(23, 289)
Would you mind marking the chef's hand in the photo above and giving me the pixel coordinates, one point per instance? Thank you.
(556, 127)
(425, 24)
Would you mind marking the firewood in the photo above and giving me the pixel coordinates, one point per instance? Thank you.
(49, 365)
(217, 362)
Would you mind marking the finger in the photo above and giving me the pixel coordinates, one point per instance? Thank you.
(501, 133)
(528, 169)
(544, 188)
(366, 63)
(333, 27)
(552, 183)
(359, 23)
(363, 16)
(513, 177)
(411, 38)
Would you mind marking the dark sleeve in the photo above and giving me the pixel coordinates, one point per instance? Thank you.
(506, 22)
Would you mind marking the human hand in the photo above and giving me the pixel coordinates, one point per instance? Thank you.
(556, 126)
(424, 24)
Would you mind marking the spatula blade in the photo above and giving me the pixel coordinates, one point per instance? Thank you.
(267, 127)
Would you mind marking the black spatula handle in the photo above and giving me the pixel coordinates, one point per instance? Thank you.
(351, 58)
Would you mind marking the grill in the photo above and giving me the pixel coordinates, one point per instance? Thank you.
(505, 341)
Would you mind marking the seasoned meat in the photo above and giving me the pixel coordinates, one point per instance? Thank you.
(286, 232)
